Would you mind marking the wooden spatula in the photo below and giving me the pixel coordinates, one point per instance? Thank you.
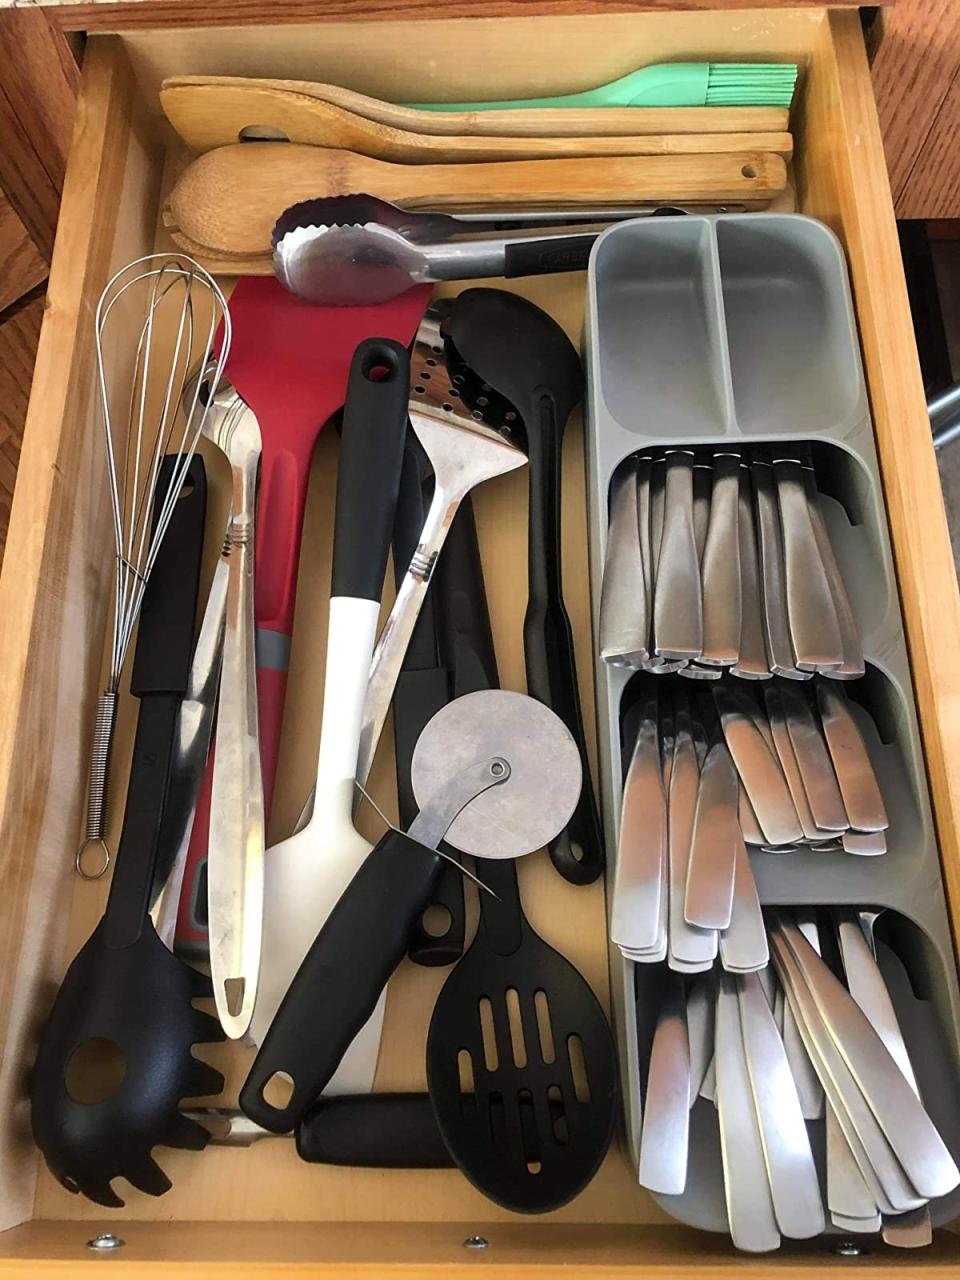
(567, 122)
(227, 201)
(218, 114)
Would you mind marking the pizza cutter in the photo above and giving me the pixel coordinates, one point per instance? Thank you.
(495, 774)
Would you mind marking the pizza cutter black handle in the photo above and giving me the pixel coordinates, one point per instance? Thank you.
(374, 1131)
(340, 980)
(161, 670)
(547, 256)
(467, 654)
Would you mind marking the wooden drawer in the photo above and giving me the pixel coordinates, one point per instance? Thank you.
(259, 1211)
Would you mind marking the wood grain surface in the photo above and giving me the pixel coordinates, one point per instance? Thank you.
(19, 333)
(145, 15)
(916, 64)
(22, 266)
(39, 78)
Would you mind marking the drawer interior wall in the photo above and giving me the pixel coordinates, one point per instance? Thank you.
(129, 157)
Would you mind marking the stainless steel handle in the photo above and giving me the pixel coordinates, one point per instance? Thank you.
(235, 852)
(721, 565)
(624, 621)
(814, 631)
(677, 603)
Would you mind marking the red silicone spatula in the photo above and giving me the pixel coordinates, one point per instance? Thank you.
(289, 361)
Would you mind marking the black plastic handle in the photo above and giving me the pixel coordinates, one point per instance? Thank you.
(374, 1131)
(164, 649)
(577, 852)
(340, 980)
(546, 257)
(371, 452)
(161, 668)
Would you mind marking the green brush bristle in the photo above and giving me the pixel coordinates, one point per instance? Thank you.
(767, 84)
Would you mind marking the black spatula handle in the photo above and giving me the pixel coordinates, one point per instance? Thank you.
(375, 411)
(161, 669)
(374, 1131)
(340, 980)
(548, 641)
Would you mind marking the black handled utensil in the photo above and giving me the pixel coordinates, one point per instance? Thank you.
(520, 1061)
(342, 976)
(423, 687)
(483, 742)
(526, 357)
(126, 999)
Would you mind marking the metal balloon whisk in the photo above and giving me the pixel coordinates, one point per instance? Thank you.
(157, 320)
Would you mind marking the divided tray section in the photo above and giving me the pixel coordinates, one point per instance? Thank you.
(738, 332)
(663, 363)
(916, 971)
(791, 337)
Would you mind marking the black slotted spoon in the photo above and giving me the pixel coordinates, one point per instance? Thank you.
(531, 1133)
(125, 992)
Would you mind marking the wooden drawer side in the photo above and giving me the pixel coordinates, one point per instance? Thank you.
(52, 597)
(843, 180)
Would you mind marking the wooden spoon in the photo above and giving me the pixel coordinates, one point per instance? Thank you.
(567, 122)
(213, 115)
(229, 199)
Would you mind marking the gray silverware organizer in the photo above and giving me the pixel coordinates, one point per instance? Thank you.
(740, 329)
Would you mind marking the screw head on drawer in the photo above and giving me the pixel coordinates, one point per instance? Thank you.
(849, 1249)
(476, 1242)
(104, 1242)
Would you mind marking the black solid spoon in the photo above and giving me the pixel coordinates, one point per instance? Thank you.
(526, 357)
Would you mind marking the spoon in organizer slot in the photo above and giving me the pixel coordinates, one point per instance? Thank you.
(489, 741)
(306, 873)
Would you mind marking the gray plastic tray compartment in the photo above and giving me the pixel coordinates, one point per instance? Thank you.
(661, 329)
(794, 358)
(918, 892)
(913, 968)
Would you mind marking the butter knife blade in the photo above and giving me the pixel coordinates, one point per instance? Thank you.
(623, 600)
(851, 642)
(677, 604)
(760, 773)
(750, 1212)
(708, 901)
(752, 661)
(855, 776)
(776, 626)
(689, 947)
(791, 1172)
(665, 1132)
(814, 763)
(814, 631)
(720, 574)
(642, 846)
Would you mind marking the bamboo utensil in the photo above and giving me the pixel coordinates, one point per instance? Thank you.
(211, 116)
(237, 96)
(228, 200)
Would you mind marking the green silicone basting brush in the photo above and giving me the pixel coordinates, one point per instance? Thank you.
(670, 84)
